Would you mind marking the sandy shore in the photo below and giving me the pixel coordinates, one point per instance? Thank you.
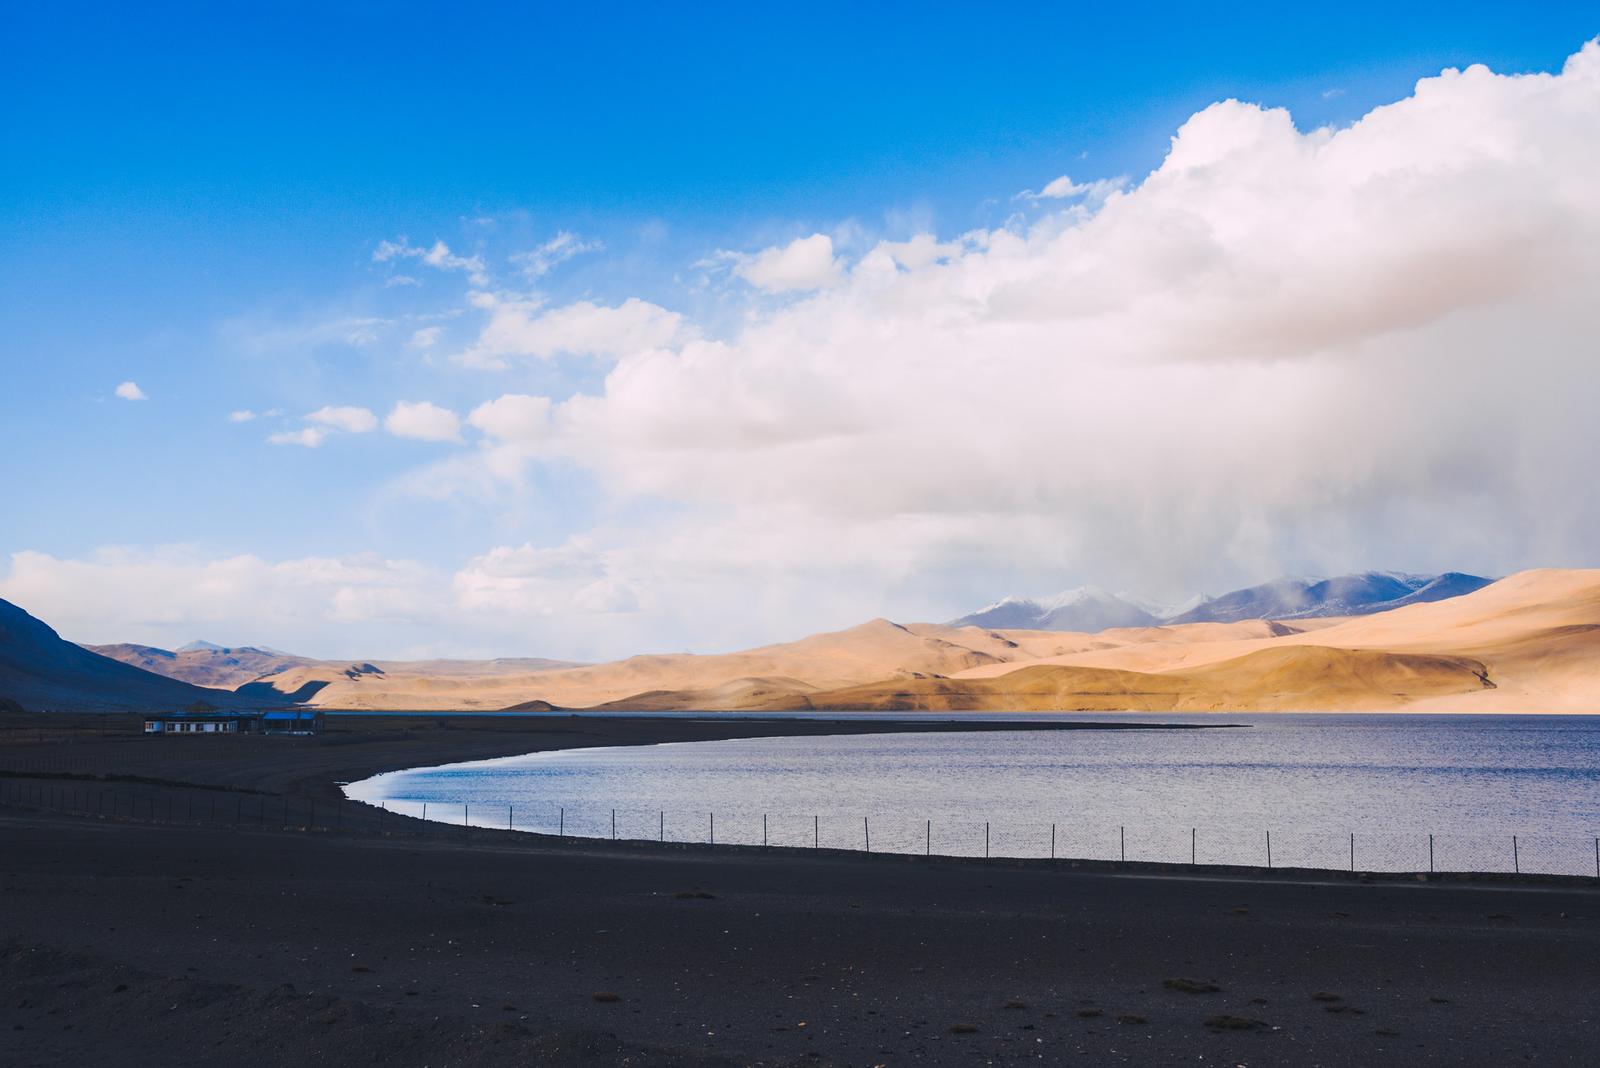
(186, 942)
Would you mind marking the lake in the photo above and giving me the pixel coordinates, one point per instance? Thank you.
(1324, 788)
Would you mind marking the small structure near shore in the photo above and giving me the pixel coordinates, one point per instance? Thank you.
(290, 721)
(298, 721)
(198, 723)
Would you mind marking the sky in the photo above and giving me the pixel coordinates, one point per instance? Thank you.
(385, 330)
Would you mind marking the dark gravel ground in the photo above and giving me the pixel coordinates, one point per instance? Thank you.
(150, 943)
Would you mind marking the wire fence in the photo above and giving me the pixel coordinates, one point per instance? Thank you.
(1396, 852)
(1021, 838)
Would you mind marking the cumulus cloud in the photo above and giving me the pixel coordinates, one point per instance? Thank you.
(348, 418)
(522, 328)
(1300, 349)
(332, 419)
(513, 417)
(361, 604)
(309, 437)
(165, 593)
(804, 264)
(131, 391)
(423, 421)
(574, 577)
(1281, 350)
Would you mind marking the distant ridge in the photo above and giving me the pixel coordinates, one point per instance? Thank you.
(41, 671)
(1087, 609)
(1346, 595)
(1090, 610)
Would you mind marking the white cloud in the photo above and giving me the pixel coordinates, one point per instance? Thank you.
(513, 417)
(1280, 351)
(310, 437)
(437, 256)
(1369, 346)
(806, 263)
(423, 421)
(521, 328)
(131, 391)
(324, 421)
(572, 578)
(348, 418)
(242, 415)
(505, 600)
(1064, 188)
(117, 594)
(538, 262)
(426, 337)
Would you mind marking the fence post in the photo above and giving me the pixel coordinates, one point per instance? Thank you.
(661, 832)
(510, 812)
(1052, 841)
(1193, 833)
(1122, 836)
(1516, 863)
(424, 810)
(927, 842)
(713, 816)
(561, 828)
(1352, 851)
(1269, 849)
(986, 840)
(866, 833)
(763, 830)
(1597, 857)
(613, 825)
(1430, 854)
(816, 832)
(466, 819)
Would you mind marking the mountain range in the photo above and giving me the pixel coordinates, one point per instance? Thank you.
(1526, 643)
(1089, 609)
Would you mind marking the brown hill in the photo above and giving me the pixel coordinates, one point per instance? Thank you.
(1530, 642)
(1304, 678)
(42, 672)
(420, 684)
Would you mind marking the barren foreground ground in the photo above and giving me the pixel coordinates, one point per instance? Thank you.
(154, 943)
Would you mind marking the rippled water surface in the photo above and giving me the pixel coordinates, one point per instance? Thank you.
(1312, 781)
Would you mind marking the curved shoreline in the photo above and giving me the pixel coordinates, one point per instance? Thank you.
(437, 946)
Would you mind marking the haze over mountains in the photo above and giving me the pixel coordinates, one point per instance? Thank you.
(1526, 643)
(1090, 609)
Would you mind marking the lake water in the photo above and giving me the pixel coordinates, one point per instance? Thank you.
(1310, 781)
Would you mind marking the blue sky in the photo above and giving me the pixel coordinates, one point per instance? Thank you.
(194, 199)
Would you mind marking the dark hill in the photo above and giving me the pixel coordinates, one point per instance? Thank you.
(42, 672)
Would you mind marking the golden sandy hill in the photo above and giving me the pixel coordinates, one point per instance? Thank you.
(1530, 642)
(873, 650)
(1302, 678)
